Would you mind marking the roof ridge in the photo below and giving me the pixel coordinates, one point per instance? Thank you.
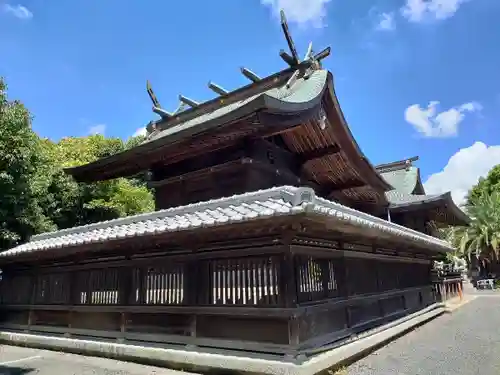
(363, 215)
(396, 165)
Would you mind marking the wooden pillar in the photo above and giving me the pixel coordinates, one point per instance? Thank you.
(197, 288)
(124, 293)
(31, 313)
(288, 278)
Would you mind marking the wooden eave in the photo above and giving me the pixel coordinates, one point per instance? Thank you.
(334, 160)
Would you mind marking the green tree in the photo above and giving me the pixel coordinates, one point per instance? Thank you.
(37, 195)
(21, 214)
(485, 186)
(482, 236)
(68, 203)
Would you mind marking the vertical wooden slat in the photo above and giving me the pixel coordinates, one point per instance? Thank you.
(253, 283)
(264, 284)
(156, 285)
(271, 276)
(163, 287)
(248, 282)
(229, 282)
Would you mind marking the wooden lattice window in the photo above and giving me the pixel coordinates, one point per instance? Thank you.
(245, 281)
(159, 285)
(316, 278)
(52, 288)
(97, 287)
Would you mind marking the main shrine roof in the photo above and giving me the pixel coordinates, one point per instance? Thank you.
(297, 104)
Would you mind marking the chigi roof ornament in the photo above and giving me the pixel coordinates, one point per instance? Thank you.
(301, 69)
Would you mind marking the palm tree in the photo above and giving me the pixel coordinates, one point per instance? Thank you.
(482, 236)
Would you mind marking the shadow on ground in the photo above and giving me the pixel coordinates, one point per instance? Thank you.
(7, 370)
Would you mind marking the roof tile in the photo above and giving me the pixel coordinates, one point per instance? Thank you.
(285, 200)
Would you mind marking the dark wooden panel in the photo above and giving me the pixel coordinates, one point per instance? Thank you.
(50, 318)
(172, 324)
(245, 329)
(15, 288)
(392, 305)
(364, 313)
(96, 321)
(322, 323)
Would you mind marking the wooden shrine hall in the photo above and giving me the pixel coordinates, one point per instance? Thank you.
(270, 234)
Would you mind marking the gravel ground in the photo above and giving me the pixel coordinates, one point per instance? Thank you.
(466, 342)
(26, 361)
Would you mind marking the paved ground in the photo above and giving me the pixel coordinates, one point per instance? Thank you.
(466, 342)
(25, 361)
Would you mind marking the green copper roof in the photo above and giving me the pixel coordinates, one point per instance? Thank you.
(305, 93)
(403, 180)
(400, 198)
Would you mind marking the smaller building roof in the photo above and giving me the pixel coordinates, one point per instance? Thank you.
(441, 207)
(409, 194)
(402, 175)
(402, 180)
(281, 201)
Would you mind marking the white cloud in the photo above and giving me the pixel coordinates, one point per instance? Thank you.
(386, 22)
(141, 131)
(302, 12)
(420, 10)
(18, 11)
(97, 129)
(463, 171)
(430, 123)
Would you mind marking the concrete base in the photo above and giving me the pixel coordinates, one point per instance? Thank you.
(219, 363)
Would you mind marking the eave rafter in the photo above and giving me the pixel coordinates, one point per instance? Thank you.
(335, 187)
(318, 153)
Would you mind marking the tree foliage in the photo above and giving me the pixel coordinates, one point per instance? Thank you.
(37, 195)
(485, 186)
(68, 203)
(20, 212)
(482, 236)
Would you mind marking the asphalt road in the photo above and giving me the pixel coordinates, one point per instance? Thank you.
(466, 342)
(21, 361)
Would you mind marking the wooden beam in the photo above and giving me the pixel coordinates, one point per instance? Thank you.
(318, 153)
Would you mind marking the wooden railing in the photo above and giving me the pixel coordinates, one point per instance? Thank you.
(447, 285)
(279, 303)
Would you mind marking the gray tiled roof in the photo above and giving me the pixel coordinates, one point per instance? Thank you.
(285, 200)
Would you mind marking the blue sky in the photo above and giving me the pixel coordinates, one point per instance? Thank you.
(414, 77)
